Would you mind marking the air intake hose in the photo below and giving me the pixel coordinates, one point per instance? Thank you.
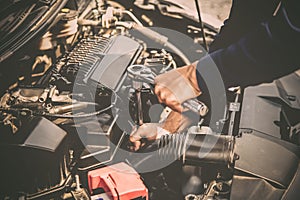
(197, 149)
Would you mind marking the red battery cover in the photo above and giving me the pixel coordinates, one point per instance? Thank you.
(121, 181)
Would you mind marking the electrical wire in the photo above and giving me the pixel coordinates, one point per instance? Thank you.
(201, 25)
(77, 115)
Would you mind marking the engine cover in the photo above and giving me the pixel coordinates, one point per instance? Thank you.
(101, 60)
(34, 158)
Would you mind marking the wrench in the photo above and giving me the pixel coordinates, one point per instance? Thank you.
(144, 74)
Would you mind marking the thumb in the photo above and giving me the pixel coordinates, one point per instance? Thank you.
(148, 131)
(135, 136)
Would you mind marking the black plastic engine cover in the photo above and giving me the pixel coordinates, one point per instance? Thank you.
(101, 60)
(268, 168)
(33, 158)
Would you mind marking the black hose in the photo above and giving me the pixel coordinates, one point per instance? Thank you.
(163, 40)
(197, 149)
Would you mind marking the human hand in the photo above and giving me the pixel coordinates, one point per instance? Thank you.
(147, 131)
(176, 86)
(175, 122)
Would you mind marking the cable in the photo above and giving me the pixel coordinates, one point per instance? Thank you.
(77, 116)
(86, 114)
(132, 16)
(201, 25)
(163, 40)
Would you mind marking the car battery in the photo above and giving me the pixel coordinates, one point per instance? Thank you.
(116, 182)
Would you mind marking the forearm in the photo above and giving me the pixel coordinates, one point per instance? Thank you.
(264, 54)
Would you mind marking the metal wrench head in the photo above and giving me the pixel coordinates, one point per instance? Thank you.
(141, 73)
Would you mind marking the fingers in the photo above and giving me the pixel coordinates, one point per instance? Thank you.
(176, 86)
(135, 140)
(148, 131)
(135, 146)
(165, 96)
(173, 103)
(157, 91)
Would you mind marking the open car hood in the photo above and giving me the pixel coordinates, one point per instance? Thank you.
(21, 21)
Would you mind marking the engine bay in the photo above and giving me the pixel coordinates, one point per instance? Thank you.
(72, 96)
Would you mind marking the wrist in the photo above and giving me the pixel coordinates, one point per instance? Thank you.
(191, 76)
(160, 132)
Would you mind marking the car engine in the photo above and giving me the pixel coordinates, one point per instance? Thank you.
(77, 77)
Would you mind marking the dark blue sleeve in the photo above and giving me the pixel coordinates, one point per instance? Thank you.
(269, 51)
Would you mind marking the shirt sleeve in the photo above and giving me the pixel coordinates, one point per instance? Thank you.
(268, 51)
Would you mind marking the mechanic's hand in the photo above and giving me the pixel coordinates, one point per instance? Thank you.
(175, 122)
(148, 131)
(176, 86)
